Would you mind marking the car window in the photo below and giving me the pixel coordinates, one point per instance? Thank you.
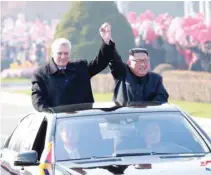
(19, 133)
(109, 134)
(31, 133)
(23, 136)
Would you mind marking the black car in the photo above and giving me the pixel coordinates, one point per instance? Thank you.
(105, 138)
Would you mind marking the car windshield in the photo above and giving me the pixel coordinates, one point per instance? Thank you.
(110, 134)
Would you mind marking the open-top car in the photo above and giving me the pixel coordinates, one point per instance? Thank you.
(105, 139)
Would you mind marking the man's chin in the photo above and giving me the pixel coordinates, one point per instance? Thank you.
(142, 74)
(62, 65)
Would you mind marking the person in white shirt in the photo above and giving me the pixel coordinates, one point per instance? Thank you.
(70, 139)
(152, 135)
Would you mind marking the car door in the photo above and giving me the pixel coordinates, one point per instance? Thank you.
(35, 140)
(17, 142)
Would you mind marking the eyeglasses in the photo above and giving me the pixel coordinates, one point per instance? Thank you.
(145, 61)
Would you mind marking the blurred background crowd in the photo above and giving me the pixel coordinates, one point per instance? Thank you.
(26, 41)
(181, 42)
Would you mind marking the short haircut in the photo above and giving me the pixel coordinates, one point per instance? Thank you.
(138, 50)
(60, 41)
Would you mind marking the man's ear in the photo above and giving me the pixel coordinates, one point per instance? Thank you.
(128, 62)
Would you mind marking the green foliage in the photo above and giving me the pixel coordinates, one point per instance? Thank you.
(81, 26)
(87, 50)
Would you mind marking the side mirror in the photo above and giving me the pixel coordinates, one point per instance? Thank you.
(27, 158)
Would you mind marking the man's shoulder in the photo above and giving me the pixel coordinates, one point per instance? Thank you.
(155, 75)
(41, 71)
(79, 63)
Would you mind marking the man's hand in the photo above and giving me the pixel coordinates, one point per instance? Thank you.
(105, 32)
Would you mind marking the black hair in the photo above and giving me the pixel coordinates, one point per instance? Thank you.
(138, 50)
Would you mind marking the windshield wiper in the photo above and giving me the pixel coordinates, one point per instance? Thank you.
(127, 154)
(156, 153)
(74, 159)
(140, 154)
(89, 158)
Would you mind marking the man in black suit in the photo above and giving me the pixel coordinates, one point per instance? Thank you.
(133, 80)
(63, 81)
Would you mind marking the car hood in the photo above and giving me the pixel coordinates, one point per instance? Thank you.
(146, 165)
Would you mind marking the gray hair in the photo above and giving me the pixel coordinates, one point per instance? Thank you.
(60, 41)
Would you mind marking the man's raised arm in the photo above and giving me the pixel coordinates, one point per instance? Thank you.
(105, 53)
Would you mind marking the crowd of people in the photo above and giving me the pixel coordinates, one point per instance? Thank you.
(184, 42)
(25, 41)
